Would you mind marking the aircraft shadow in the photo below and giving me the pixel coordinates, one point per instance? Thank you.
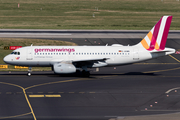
(92, 75)
(129, 73)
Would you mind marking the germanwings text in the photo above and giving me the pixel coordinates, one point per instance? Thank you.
(54, 50)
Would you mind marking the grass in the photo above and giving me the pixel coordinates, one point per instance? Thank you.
(26, 42)
(78, 14)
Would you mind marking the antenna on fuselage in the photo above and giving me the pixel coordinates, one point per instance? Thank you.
(107, 44)
(31, 44)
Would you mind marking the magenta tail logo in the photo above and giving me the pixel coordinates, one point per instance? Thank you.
(156, 38)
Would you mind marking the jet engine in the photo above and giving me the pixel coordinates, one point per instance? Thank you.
(64, 68)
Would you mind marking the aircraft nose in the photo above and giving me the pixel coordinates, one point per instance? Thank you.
(6, 59)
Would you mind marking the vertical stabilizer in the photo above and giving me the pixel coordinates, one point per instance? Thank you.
(156, 38)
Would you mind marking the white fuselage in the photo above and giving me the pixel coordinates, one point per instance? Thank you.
(107, 55)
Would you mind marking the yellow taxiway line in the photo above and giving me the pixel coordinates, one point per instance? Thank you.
(15, 116)
(38, 96)
(174, 58)
(24, 91)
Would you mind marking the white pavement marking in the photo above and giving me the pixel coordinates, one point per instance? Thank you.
(172, 90)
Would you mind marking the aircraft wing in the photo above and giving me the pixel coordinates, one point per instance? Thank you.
(90, 60)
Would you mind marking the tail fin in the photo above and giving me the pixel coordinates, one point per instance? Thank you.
(156, 38)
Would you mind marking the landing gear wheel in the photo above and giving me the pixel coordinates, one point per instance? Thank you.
(29, 74)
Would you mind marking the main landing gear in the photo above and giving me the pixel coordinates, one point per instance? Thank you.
(29, 71)
(85, 73)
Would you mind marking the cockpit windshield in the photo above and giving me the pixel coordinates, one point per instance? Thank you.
(15, 53)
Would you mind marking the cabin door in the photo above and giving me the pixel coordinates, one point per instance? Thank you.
(136, 54)
(29, 54)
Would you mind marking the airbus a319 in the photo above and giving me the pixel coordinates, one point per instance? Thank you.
(69, 59)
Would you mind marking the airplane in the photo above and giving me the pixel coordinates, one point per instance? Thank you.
(70, 59)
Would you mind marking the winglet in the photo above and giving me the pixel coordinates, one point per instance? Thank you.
(156, 38)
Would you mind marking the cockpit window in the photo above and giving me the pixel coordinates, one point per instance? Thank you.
(16, 53)
(12, 53)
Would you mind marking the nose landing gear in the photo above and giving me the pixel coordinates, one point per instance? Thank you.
(29, 71)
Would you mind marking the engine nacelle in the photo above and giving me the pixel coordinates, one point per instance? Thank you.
(63, 68)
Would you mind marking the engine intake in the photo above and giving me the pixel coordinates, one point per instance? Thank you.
(63, 68)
